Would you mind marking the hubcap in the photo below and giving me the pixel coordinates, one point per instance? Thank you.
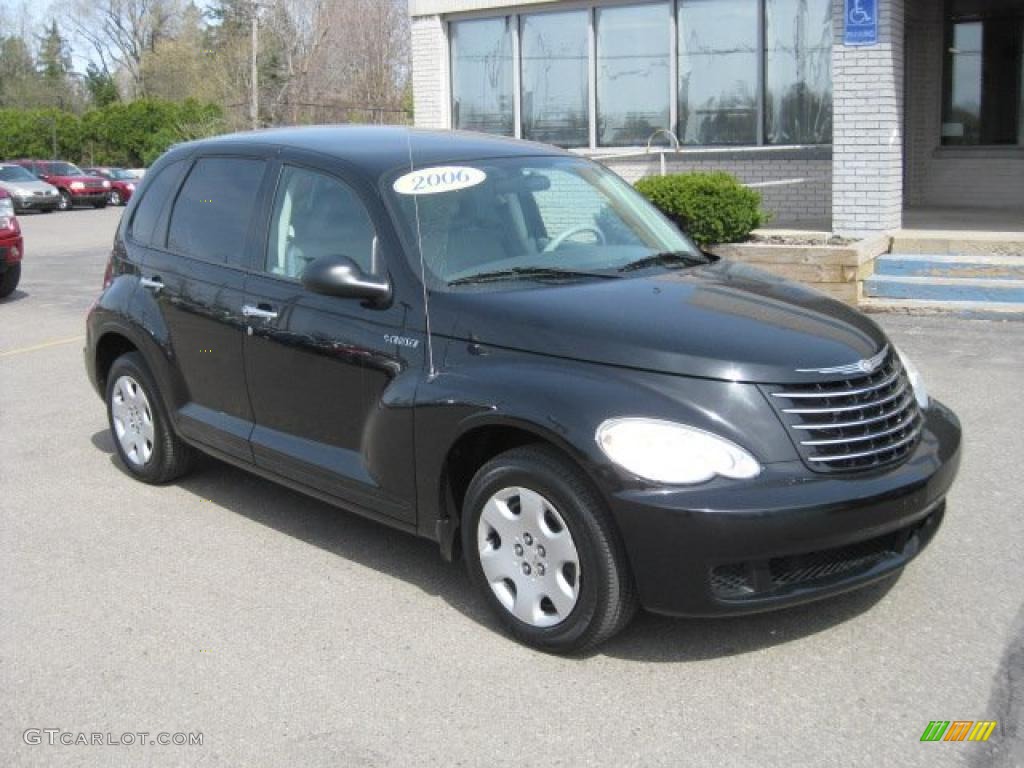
(528, 557)
(133, 420)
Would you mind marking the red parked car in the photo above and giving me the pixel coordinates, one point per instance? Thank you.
(11, 246)
(75, 186)
(122, 183)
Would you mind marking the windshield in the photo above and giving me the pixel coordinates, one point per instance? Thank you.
(15, 173)
(63, 169)
(120, 174)
(527, 216)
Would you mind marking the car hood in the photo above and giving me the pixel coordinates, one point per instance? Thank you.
(26, 186)
(724, 321)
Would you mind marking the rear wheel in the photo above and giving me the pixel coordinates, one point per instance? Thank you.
(142, 432)
(9, 280)
(65, 201)
(544, 552)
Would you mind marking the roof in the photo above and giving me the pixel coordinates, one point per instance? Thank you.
(377, 149)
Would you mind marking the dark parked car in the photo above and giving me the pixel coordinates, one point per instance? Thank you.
(12, 246)
(122, 183)
(74, 185)
(502, 347)
(28, 192)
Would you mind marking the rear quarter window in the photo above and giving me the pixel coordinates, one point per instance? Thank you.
(154, 199)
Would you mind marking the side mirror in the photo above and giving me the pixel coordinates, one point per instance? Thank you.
(340, 276)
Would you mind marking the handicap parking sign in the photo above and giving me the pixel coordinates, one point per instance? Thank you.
(861, 22)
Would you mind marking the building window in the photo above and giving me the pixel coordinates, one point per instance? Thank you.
(555, 83)
(482, 92)
(603, 74)
(983, 96)
(632, 74)
(718, 74)
(798, 71)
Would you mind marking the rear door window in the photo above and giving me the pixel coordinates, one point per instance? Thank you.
(212, 216)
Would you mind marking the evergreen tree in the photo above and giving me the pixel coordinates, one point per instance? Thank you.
(101, 86)
(19, 83)
(54, 61)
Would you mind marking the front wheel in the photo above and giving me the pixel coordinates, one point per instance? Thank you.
(65, 201)
(115, 197)
(142, 432)
(542, 548)
(9, 280)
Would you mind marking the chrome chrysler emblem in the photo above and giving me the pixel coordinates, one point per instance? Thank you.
(867, 365)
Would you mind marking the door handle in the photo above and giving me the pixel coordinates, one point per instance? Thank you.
(248, 310)
(155, 283)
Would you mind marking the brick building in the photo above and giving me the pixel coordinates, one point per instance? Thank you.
(845, 113)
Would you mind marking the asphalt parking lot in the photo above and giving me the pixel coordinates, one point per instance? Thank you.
(290, 633)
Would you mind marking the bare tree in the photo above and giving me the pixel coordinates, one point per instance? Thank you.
(364, 59)
(120, 32)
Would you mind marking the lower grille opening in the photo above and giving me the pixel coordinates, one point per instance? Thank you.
(777, 575)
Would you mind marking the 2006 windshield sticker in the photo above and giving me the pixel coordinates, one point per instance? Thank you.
(431, 181)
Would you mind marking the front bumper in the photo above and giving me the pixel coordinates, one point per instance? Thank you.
(789, 536)
(88, 196)
(37, 202)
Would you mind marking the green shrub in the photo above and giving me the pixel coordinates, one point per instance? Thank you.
(711, 207)
(132, 134)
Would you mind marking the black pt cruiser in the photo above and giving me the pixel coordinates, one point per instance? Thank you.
(504, 348)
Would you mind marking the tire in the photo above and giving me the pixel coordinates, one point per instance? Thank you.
(153, 453)
(605, 597)
(9, 280)
(65, 203)
(115, 198)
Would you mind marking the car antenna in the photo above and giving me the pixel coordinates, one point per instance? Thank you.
(423, 271)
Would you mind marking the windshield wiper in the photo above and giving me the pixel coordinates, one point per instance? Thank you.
(527, 273)
(666, 258)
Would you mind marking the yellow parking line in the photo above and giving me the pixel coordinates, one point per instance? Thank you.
(44, 345)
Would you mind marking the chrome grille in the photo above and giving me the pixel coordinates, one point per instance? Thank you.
(851, 424)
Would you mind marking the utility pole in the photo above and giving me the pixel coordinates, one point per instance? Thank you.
(254, 101)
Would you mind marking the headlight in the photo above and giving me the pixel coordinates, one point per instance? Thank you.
(666, 452)
(6, 208)
(916, 380)
(106, 185)
(77, 185)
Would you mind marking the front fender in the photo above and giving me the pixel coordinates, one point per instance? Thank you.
(563, 402)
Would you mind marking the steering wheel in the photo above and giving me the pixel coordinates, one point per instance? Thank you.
(555, 244)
